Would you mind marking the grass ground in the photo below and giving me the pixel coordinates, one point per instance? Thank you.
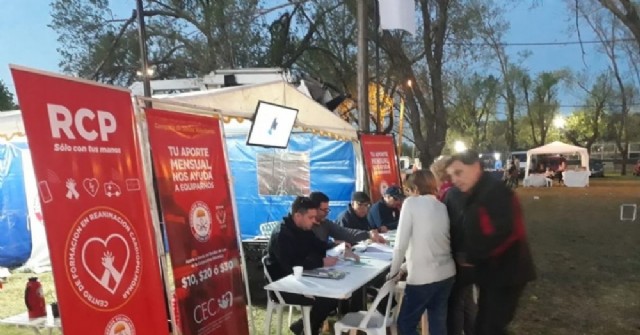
(588, 263)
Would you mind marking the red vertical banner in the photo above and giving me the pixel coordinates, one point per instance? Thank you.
(380, 163)
(195, 197)
(87, 163)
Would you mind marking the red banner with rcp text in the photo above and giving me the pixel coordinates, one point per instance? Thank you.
(83, 142)
(380, 163)
(195, 197)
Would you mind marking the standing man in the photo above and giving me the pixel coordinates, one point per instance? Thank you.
(324, 228)
(495, 243)
(385, 213)
(294, 244)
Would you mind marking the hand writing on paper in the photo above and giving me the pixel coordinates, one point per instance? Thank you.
(376, 237)
(329, 261)
(349, 254)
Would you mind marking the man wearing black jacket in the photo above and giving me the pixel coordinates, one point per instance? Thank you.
(462, 307)
(494, 242)
(293, 243)
(355, 216)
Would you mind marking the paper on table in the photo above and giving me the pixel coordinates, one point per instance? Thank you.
(379, 247)
(336, 251)
(385, 256)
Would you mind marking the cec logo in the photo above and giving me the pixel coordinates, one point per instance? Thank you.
(200, 221)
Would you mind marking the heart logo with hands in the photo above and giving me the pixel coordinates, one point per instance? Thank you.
(106, 260)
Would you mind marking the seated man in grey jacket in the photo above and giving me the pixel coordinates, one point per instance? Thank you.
(325, 228)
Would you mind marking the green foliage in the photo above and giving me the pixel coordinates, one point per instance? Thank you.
(541, 97)
(6, 98)
(185, 38)
(474, 107)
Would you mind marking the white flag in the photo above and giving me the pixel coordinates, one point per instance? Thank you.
(398, 14)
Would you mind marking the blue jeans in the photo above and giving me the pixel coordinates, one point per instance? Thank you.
(433, 298)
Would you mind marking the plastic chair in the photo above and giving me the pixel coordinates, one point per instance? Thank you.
(267, 227)
(424, 321)
(279, 305)
(371, 321)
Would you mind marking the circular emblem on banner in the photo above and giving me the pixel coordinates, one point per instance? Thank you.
(200, 221)
(120, 325)
(103, 258)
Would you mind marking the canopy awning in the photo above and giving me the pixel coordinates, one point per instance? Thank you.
(241, 101)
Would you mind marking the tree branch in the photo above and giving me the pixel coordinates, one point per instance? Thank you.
(113, 45)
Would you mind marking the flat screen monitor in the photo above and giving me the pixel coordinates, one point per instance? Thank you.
(272, 125)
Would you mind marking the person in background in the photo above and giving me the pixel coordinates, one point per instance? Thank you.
(462, 308)
(385, 213)
(438, 168)
(495, 243)
(355, 216)
(325, 229)
(293, 243)
(423, 237)
(562, 167)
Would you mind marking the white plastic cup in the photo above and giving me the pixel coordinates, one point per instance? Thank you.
(297, 272)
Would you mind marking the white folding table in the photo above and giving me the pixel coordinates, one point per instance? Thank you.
(576, 178)
(372, 263)
(357, 275)
(38, 325)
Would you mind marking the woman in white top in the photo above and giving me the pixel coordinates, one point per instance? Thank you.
(423, 237)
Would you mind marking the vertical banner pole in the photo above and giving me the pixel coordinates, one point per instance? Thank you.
(237, 223)
(147, 167)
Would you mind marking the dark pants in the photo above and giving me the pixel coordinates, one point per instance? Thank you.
(320, 310)
(353, 304)
(496, 308)
(462, 310)
(431, 297)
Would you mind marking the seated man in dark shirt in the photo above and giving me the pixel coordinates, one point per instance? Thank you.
(385, 213)
(293, 243)
(325, 228)
(355, 216)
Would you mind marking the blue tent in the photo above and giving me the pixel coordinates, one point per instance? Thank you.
(15, 237)
(22, 236)
(267, 180)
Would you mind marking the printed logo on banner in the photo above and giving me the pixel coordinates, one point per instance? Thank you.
(200, 221)
(221, 216)
(120, 325)
(226, 300)
(104, 268)
(91, 185)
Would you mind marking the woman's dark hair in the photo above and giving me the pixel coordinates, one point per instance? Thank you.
(422, 181)
(302, 205)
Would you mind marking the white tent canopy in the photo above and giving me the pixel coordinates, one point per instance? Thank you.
(241, 101)
(558, 148)
(11, 126)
